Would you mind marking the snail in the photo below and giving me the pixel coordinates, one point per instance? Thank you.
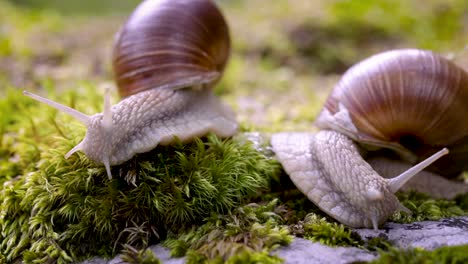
(166, 59)
(386, 113)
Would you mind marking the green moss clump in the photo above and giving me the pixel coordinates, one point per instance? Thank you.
(17, 131)
(378, 244)
(304, 219)
(247, 233)
(63, 210)
(462, 201)
(454, 254)
(247, 257)
(66, 202)
(329, 233)
(424, 207)
(144, 256)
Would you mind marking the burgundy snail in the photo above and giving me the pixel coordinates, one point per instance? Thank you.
(166, 59)
(386, 113)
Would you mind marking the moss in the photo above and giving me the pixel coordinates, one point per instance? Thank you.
(17, 150)
(68, 209)
(51, 207)
(304, 219)
(332, 234)
(378, 244)
(144, 256)
(424, 207)
(294, 203)
(27, 128)
(454, 254)
(246, 232)
(247, 257)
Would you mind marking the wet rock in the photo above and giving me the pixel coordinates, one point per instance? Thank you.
(159, 251)
(428, 234)
(305, 251)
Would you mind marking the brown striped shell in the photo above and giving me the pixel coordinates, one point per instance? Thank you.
(412, 101)
(173, 43)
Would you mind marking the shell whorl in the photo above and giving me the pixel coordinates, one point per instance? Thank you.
(166, 42)
(412, 98)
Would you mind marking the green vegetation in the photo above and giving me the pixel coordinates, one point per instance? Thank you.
(213, 200)
(424, 207)
(143, 256)
(83, 7)
(433, 26)
(248, 233)
(57, 205)
(16, 28)
(352, 30)
(454, 254)
(329, 233)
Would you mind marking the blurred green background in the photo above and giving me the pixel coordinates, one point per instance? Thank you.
(80, 7)
(288, 52)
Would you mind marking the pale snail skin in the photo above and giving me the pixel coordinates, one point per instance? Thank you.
(166, 78)
(336, 168)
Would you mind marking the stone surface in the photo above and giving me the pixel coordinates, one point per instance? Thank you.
(428, 234)
(302, 251)
(161, 252)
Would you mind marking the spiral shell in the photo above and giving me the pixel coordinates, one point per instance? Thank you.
(408, 100)
(173, 43)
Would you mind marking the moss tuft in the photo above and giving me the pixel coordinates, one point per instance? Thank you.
(424, 207)
(63, 210)
(248, 257)
(245, 233)
(328, 233)
(66, 202)
(454, 254)
(144, 256)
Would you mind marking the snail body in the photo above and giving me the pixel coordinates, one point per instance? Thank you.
(166, 60)
(411, 102)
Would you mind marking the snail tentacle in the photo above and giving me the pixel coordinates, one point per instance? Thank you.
(107, 128)
(396, 183)
(425, 181)
(107, 113)
(83, 118)
(76, 148)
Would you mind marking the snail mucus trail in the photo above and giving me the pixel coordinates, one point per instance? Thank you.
(166, 59)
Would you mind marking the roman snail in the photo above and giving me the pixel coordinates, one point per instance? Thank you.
(166, 59)
(386, 113)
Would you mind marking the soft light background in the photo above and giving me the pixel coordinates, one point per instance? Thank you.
(287, 54)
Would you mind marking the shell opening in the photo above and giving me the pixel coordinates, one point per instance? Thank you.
(411, 142)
